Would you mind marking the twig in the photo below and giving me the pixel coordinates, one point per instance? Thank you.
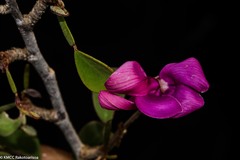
(48, 77)
(122, 130)
(101, 152)
(35, 14)
(26, 106)
(4, 9)
(9, 56)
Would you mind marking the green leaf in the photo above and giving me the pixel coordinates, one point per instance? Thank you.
(92, 133)
(7, 106)
(21, 143)
(29, 130)
(11, 82)
(103, 114)
(92, 72)
(66, 31)
(8, 125)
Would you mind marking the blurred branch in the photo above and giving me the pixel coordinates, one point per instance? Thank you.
(4, 9)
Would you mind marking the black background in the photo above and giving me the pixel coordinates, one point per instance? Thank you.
(153, 33)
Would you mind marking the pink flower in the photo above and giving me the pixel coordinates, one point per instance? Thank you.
(175, 92)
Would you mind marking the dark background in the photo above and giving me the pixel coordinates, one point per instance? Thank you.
(153, 33)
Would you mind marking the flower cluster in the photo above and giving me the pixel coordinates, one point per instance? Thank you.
(174, 93)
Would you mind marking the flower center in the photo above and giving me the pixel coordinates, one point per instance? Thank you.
(163, 85)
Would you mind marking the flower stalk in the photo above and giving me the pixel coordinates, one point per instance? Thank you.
(122, 130)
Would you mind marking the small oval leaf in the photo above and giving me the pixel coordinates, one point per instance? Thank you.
(8, 125)
(66, 31)
(29, 130)
(92, 72)
(103, 114)
(7, 107)
(92, 133)
(11, 81)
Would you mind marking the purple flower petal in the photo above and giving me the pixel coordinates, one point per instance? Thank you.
(160, 107)
(188, 72)
(129, 79)
(114, 102)
(189, 99)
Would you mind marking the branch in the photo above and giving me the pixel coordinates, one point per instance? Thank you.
(35, 14)
(9, 56)
(26, 106)
(38, 9)
(4, 9)
(48, 76)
